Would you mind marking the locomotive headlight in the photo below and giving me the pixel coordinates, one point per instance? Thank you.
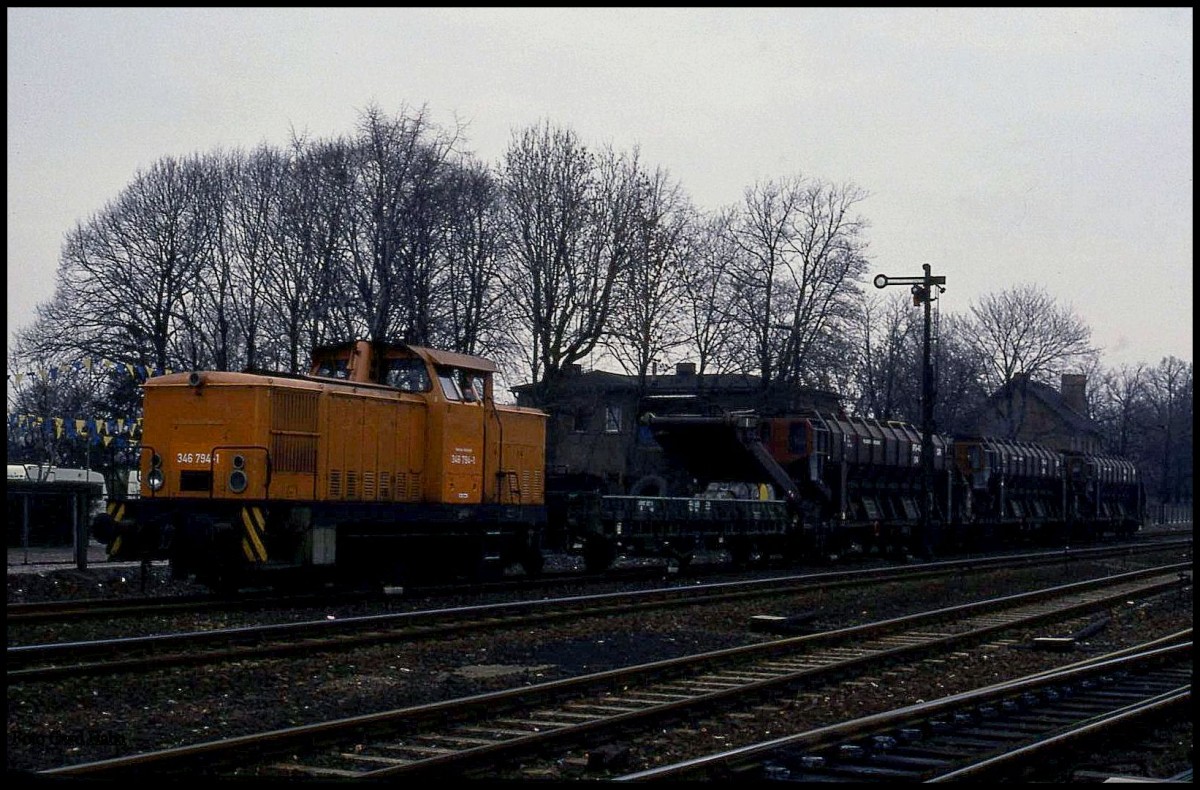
(155, 479)
(237, 481)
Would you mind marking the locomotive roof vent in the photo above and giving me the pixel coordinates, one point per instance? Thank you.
(195, 379)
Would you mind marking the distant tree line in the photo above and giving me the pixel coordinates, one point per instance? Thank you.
(556, 255)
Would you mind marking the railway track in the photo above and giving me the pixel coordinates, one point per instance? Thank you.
(67, 659)
(994, 732)
(473, 736)
(79, 610)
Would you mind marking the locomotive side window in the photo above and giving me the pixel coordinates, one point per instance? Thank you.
(474, 387)
(461, 385)
(408, 375)
(449, 382)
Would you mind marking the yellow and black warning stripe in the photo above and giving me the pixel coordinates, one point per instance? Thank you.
(254, 524)
(116, 510)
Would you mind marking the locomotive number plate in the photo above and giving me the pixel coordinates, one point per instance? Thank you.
(198, 458)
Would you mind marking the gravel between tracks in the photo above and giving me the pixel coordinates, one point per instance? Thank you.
(80, 720)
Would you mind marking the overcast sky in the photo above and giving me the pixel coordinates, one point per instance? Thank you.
(1001, 146)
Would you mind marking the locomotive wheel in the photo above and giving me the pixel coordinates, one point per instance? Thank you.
(682, 559)
(739, 550)
(104, 528)
(598, 553)
(533, 562)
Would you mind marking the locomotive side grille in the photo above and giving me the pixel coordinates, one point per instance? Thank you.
(294, 411)
(294, 431)
(335, 483)
(407, 488)
(351, 484)
(532, 485)
(369, 486)
(290, 453)
(412, 491)
(385, 486)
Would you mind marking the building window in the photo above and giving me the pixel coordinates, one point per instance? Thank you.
(582, 419)
(612, 419)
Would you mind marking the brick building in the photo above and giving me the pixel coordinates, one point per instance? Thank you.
(1030, 411)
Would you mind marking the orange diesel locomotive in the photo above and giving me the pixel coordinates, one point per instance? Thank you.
(388, 462)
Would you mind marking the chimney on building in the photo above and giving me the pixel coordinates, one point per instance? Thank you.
(685, 369)
(1074, 391)
(575, 369)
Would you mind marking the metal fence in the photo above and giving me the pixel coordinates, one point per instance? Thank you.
(1169, 514)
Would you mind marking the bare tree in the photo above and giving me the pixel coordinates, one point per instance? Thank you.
(394, 222)
(959, 384)
(471, 287)
(707, 294)
(1170, 394)
(1121, 395)
(254, 203)
(827, 258)
(565, 217)
(888, 332)
(805, 254)
(646, 318)
(1025, 330)
(763, 231)
(305, 290)
(127, 276)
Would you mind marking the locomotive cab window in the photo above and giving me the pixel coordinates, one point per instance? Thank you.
(408, 375)
(334, 369)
